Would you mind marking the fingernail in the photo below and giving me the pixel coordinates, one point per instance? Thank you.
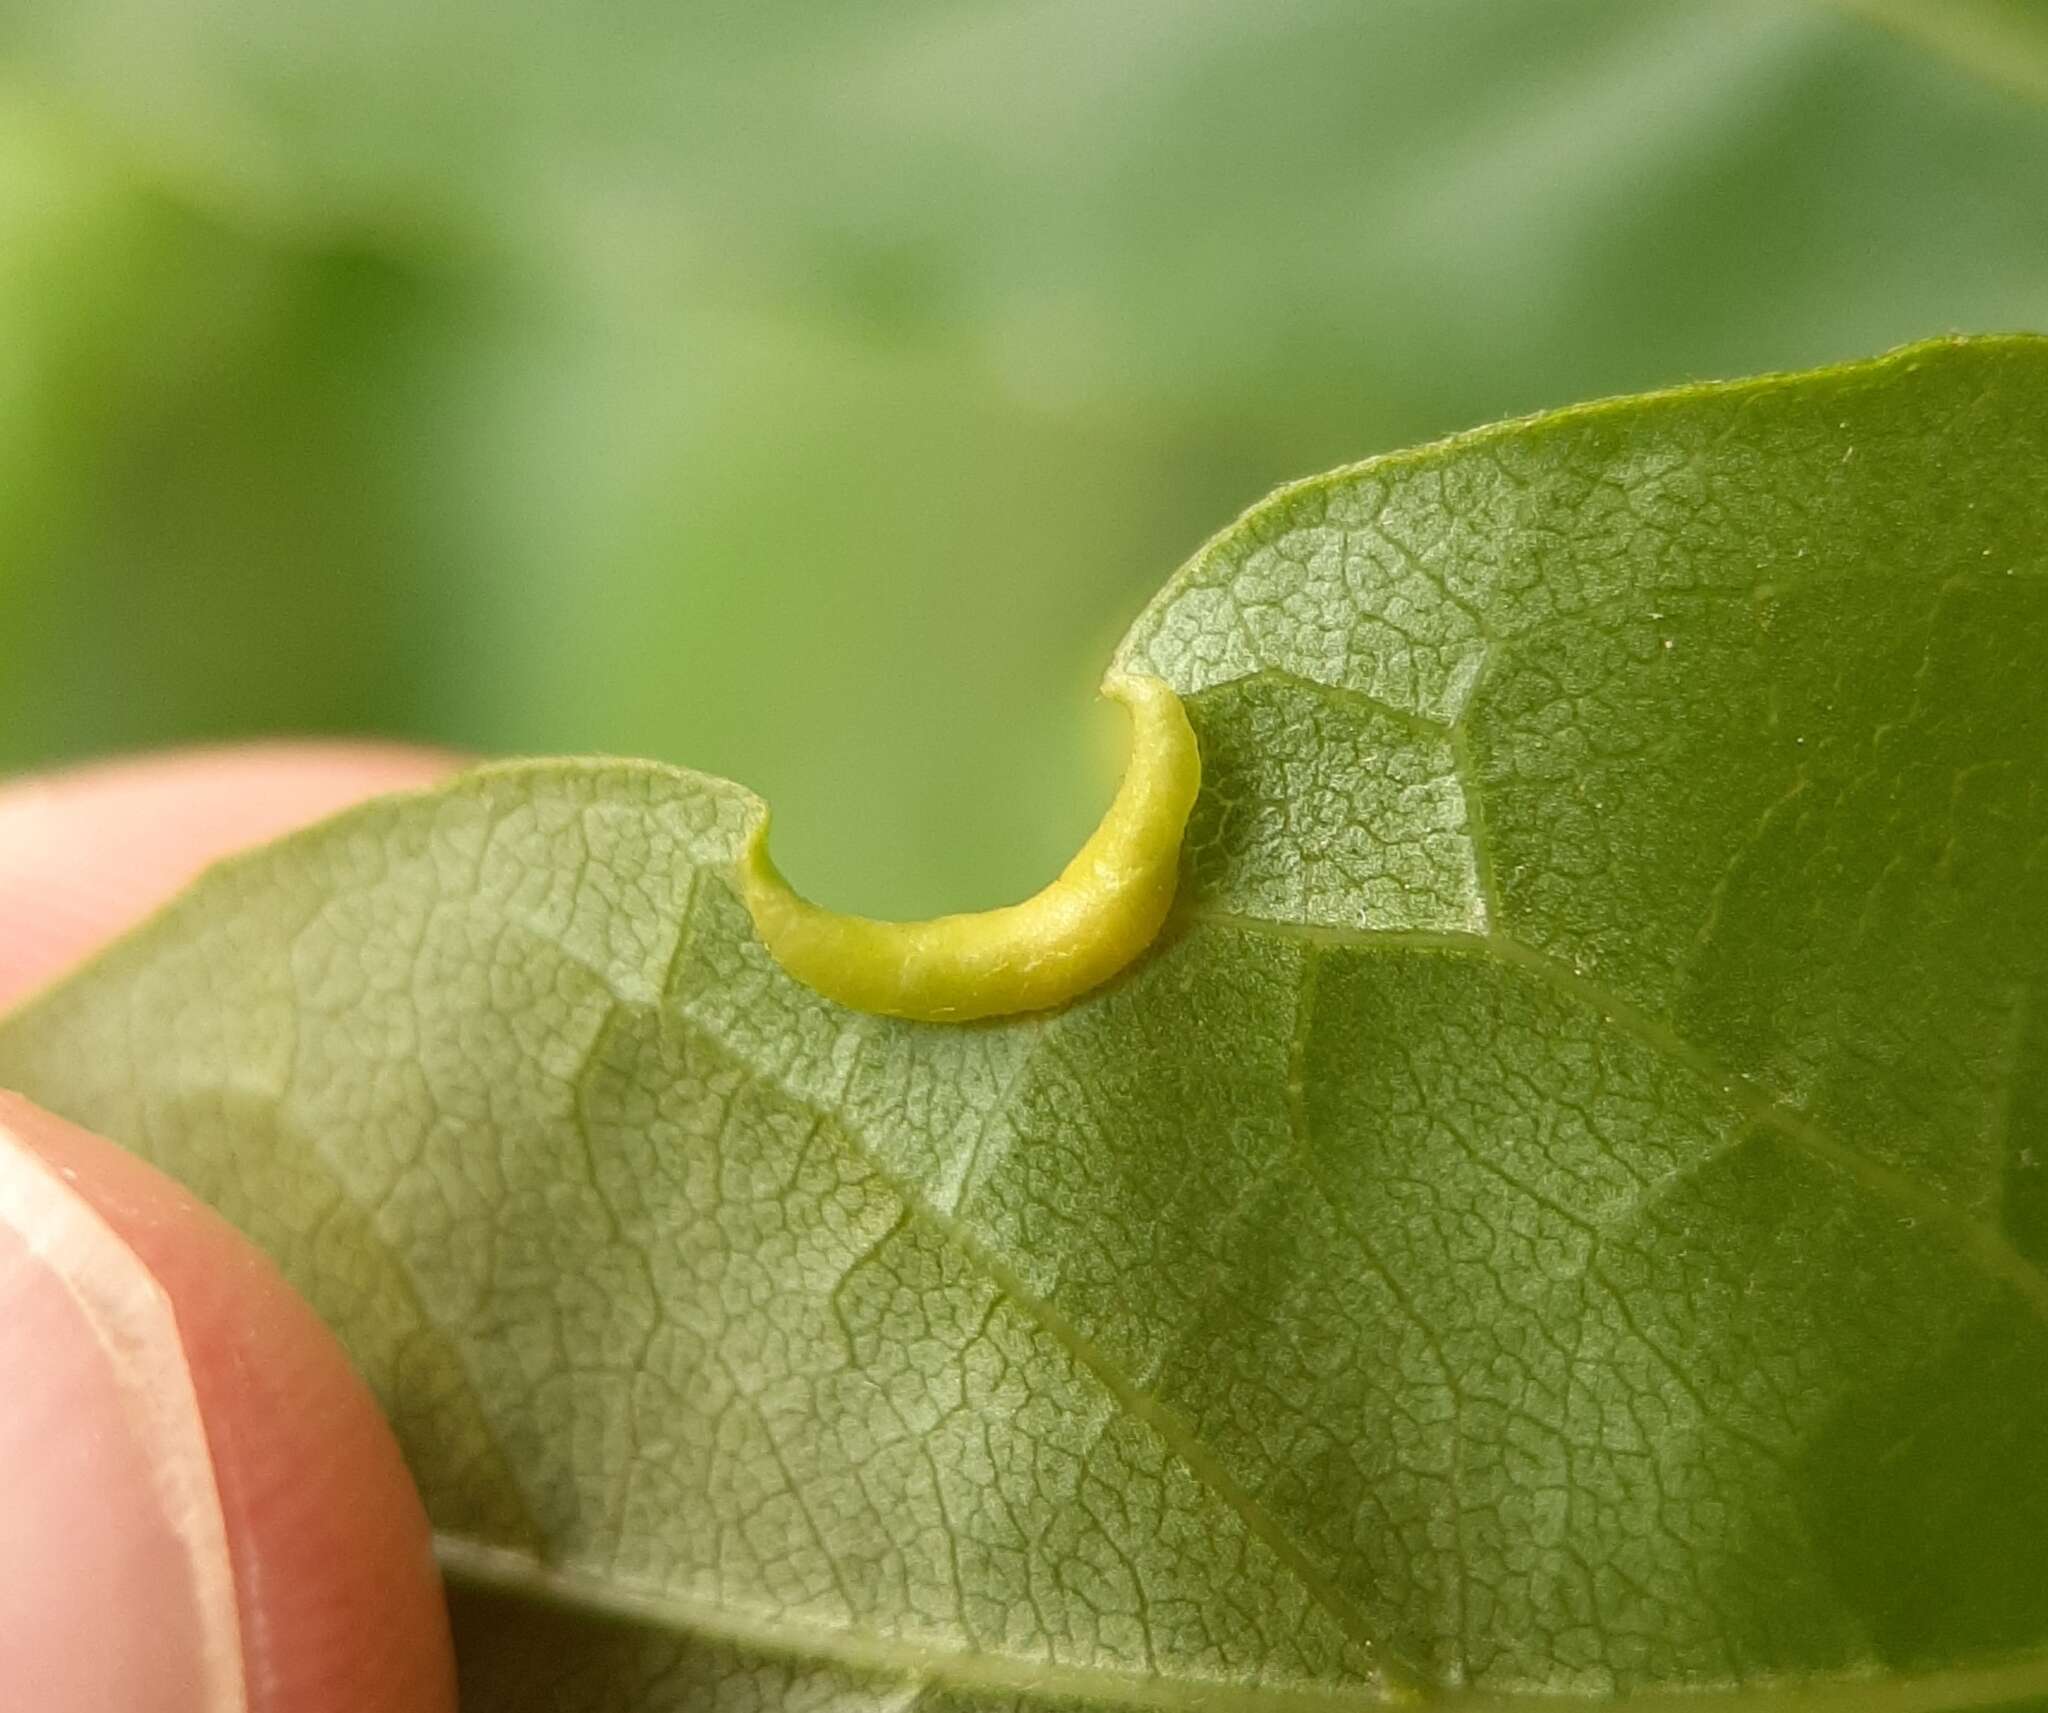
(116, 1590)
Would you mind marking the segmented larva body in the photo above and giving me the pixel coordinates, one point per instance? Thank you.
(1103, 910)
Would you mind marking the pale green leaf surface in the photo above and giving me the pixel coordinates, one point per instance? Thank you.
(1562, 1208)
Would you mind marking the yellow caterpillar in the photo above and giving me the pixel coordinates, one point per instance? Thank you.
(1101, 912)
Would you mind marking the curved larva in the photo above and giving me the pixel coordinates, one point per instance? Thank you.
(1104, 909)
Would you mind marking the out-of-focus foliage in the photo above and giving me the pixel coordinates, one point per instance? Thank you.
(811, 394)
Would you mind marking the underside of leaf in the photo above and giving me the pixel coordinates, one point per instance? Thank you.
(1562, 1207)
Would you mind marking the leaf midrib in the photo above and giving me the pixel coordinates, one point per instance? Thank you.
(504, 1571)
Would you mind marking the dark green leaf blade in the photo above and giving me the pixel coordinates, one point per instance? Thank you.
(1560, 1211)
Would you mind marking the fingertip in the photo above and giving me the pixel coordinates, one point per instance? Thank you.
(338, 1601)
(87, 853)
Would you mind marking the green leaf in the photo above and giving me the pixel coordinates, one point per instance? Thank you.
(1563, 1208)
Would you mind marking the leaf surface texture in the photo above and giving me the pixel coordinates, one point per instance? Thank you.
(1562, 1208)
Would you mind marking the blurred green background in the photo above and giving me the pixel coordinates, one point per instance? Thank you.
(811, 394)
